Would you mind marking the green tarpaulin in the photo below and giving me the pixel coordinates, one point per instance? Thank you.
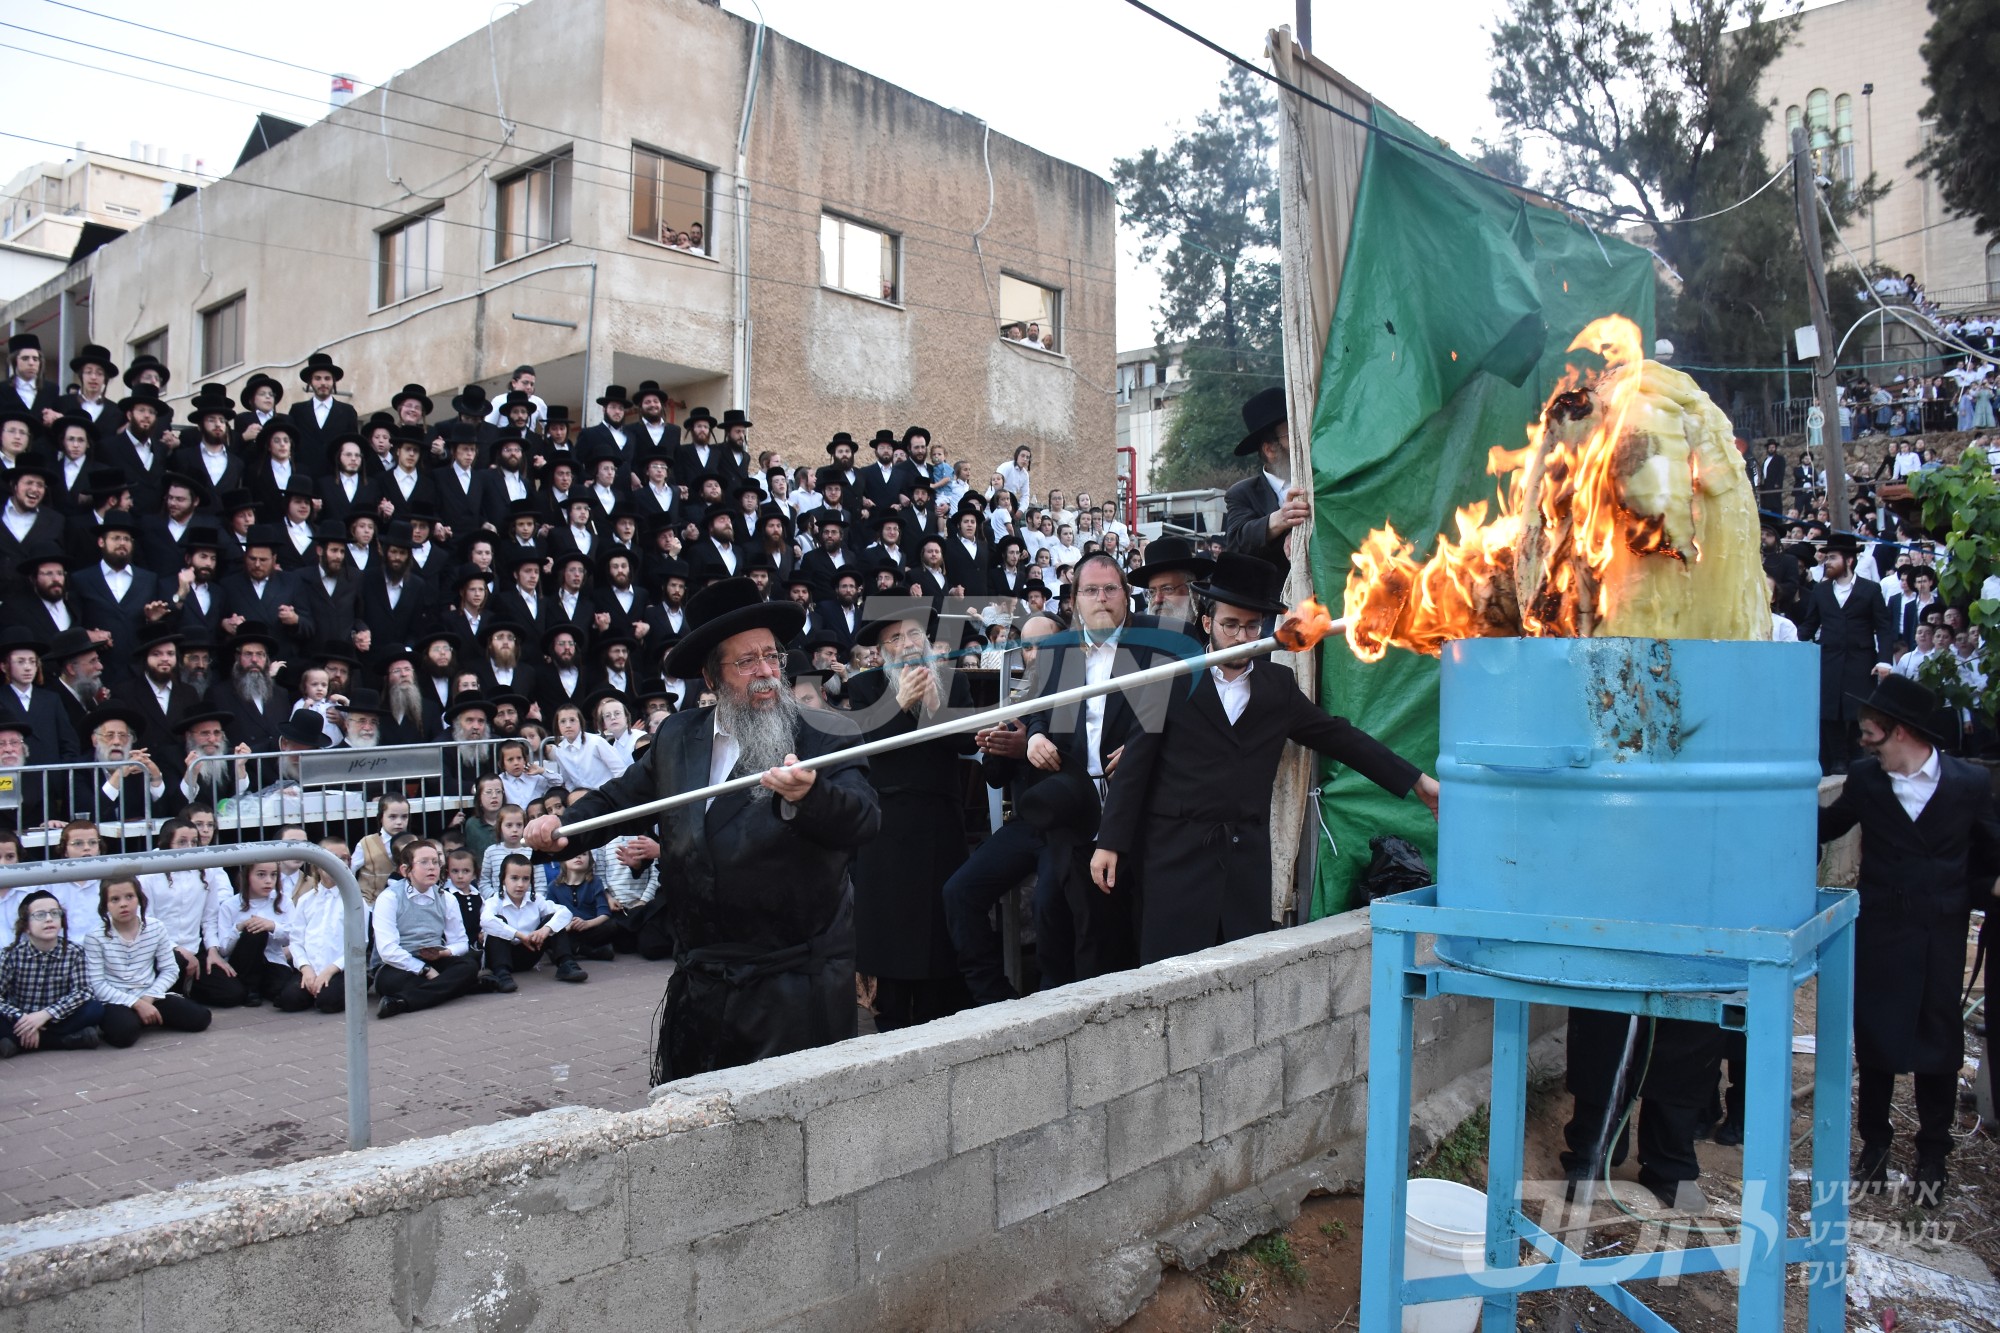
(1456, 303)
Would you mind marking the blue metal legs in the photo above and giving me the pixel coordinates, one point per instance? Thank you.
(1391, 1034)
(1833, 1073)
(1506, 1142)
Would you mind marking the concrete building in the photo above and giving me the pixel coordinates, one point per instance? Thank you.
(847, 275)
(1150, 383)
(1854, 76)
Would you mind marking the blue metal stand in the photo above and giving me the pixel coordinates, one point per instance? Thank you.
(1772, 965)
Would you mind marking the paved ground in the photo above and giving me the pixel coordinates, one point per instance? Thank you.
(260, 1088)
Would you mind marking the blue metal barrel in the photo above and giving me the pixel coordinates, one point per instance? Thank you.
(1668, 781)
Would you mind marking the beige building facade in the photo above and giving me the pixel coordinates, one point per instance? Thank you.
(426, 233)
(1854, 78)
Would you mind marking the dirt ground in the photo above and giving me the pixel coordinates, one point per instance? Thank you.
(1308, 1275)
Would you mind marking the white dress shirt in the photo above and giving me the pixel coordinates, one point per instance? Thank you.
(321, 407)
(588, 761)
(1235, 694)
(118, 580)
(19, 521)
(1099, 660)
(1914, 790)
(723, 753)
(388, 940)
(505, 919)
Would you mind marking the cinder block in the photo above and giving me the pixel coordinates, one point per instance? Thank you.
(109, 1307)
(1295, 1135)
(558, 1226)
(928, 1213)
(1350, 980)
(1209, 1027)
(1007, 1093)
(1153, 1122)
(1009, 1271)
(1317, 1058)
(918, 1299)
(853, 1144)
(1111, 1058)
(1292, 998)
(755, 1275)
(1241, 1089)
(285, 1283)
(685, 1186)
(1152, 1200)
(651, 1294)
(1035, 1171)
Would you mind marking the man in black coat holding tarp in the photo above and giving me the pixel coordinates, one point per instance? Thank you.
(1930, 848)
(1846, 616)
(1191, 802)
(754, 884)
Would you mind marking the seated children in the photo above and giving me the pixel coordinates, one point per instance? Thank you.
(45, 1000)
(521, 927)
(592, 928)
(133, 968)
(420, 936)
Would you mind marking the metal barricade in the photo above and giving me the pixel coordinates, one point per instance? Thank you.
(354, 963)
(329, 793)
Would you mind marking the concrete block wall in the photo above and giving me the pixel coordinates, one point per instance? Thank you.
(1023, 1165)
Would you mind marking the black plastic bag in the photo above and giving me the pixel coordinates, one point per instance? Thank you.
(1396, 867)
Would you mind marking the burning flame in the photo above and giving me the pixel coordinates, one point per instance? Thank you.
(1627, 512)
(1301, 628)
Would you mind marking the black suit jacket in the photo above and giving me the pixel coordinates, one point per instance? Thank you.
(971, 571)
(1770, 475)
(239, 598)
(334, 504)
(110, 420)
(1852, 640)
(50, 529)
(828, 616)
(1246, 513)
(146, 482)
(314, 446)
(334, 615)
(392, 628)
(818, 567)
(884, 495)
(459, 505)
(125, 618)
(601, 439)
(52, 737)
(187, 462)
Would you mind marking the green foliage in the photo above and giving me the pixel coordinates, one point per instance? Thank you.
(1461, 1154)
(1653, 122)
(1227, 1286)
(1206, 209)
(1275, 1252)
(1963, 503)
(1334, 1230)
(1963, 155)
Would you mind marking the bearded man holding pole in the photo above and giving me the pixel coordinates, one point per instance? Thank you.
(759, 900)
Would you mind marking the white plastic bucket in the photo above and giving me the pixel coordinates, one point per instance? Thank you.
(1444, 1233)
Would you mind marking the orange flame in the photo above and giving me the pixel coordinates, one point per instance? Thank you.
(1302, 627)
(1591, 492)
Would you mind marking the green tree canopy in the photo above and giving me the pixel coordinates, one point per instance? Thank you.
(1206, 209)
(1961, 53)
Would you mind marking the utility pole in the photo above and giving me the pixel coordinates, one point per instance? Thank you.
(1805, 191)
(1868, 101)
(1304, 27)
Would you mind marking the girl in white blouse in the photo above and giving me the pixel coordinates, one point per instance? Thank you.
(584, 758)
(133, 969)
(183, 902)
(317, 947)
(248, 934)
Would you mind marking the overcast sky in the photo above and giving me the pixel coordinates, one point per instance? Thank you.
(1085, 80)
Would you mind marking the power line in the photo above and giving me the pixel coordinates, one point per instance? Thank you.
(384, 89)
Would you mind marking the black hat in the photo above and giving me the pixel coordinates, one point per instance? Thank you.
(882, 610)
(520, 701)
(746, 487)
(557, 415)
(517, 555)
(67, 644)
(1034, 585)
(700, 414)
(757, 559)
(398, 536)
(18, 725)
(319, 361)
(38, 465)
(304, 730)
(549, 636)
(841, 438)
(518, 398)
(153, 640)
(189, 721)
(1263, 411)
(887, 437)
(829, 516)
(201, 535)
(467, 701)
(615, 393)
(114, 712)
(68, 419)
(1166, 554)
(212, 398)
(910, 431)
(93, 355)
(472, 401)
(411, 393)
(34, 558)
(1843, 543)
(440, 635)
(262, 381)
(140, 365)
(265, 534)
(117, 521)
(522, 508)
(300, 487)
(566, 557)
(1906, 701)
(724, 608)
(589, 702)
(735, 417)
(237, 500)
(414, 436)
(467, 573)
(329, 532)
(14, 637)
(362, 699)
(1248, 581)
(492, 625)
(23, 342)
(649, 387)
(142, 395)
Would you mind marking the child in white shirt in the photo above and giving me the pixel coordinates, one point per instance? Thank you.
(521, 926)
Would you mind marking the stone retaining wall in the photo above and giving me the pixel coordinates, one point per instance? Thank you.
(1028, 1165)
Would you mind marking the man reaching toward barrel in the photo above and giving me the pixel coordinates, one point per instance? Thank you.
(754, 883)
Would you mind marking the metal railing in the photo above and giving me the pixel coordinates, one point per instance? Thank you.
(328, 792)
(354, 961)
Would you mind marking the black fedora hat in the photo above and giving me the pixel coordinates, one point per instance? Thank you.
(557, 415)
(303, 729)
(142, 395)
(411, 393)
(840, 438)
(189, 721)
(1248, 581)
(909, 432)
(468, 701)
(884, 436)
(36, 556)
(201, 536)
(1843, 543)
(615, 393)
(23, 342)
(143, 363)
(649, 388)
(735, 416)
(265, 534)
(237, 500)
(113, 712)
(1166, 554)
(330, 532)
(1906, 701)
(101, 483)
(68, 644)
(252, 631)
(38, 465)
(212, 398)
(724, 608)
(361, 699)
(14, 637)
(319, 361)
(700, 414)
(472, 401)
(262, 381)
(93, 355)
(1263, 411)
(151, 641)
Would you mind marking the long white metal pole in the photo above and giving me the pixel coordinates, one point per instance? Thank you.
(956, 726)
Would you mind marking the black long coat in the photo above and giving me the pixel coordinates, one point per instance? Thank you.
(1246, 525)
(899, 922)
(1191, 805)
(1919, 883)
(759, 904)
(1852, 640)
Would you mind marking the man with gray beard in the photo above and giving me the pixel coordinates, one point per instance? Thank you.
(754, 885)
(256, 704)
(470, 719)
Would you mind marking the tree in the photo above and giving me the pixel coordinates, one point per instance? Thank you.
(1963, 155)
(1651, 124)
(1206, 207)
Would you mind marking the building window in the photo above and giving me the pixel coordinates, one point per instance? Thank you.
(857, 258)
(670, 201)
(1030, 313)
(532, 209)
(1819, 121)
(1795, 120)
(1843, 137)
(222, 336)
(1992, 269)
(153, 344)
(409, 258)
